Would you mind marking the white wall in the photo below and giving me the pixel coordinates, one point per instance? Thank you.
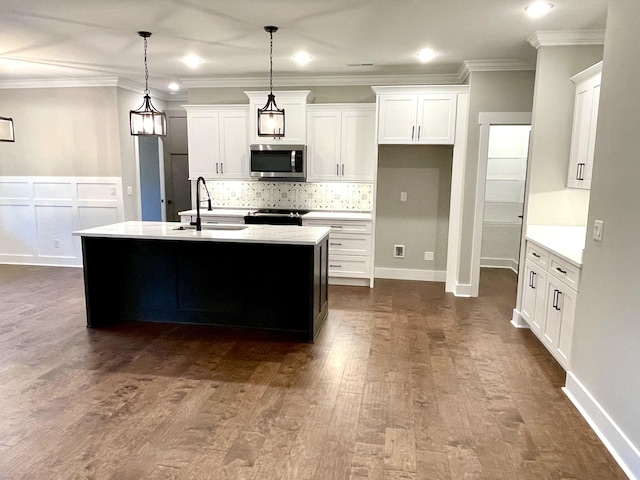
(489, 92)
(606, 344)
(61, 132)
(422, 222)
(551, 136)
(38, 215)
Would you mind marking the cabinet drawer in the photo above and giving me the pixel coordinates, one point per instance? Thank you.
(349, 266)
(564, 271)
(537, 254)
(341, 226)
(342, 244)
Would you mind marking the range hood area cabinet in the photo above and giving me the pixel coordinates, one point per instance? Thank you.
(341, 142)
(585, 119)
(295, 116)
(218, 137)
(422, 115)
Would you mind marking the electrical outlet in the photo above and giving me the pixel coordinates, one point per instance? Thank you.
(598, 227)
(403, 196)
(129, 190)
(428, 256)
(398, 251)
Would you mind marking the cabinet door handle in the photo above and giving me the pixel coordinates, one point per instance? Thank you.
(531, 276)
(558, 295)
(336, 226)
(419, 127)
(337, 244)
(221, 168)
(217, 172)
(413, 131)
(343, 169)
(561, 270)
(335, 266)
(580, 172)
(535, 254)
(337, 169)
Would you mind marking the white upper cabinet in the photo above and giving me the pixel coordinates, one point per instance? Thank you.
(341, 142)
(218, 141)
(295, 116)
(417, 118)
(234, 143)
(585, 120)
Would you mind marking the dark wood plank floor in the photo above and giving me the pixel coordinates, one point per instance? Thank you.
(404, 382)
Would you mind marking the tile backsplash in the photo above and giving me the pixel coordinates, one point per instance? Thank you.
(313, 196)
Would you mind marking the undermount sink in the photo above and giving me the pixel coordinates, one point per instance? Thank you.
(213, 226)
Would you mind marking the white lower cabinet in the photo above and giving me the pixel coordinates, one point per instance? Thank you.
(534, 295)
(549, 299)
(350, 250)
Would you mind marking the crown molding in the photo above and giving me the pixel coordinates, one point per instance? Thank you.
(90, 82)
(61, 82)
(552, 38)
(319, 81)
(469, 66)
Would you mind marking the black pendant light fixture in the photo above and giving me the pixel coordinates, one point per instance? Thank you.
(147, 120)
(270, 117)
(6, 130)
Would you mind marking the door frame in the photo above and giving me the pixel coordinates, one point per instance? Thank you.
(486, 119)
(139, 173)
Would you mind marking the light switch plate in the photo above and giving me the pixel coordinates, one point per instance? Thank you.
(598, 227)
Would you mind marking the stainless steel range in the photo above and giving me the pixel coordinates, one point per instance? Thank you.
(268, 216)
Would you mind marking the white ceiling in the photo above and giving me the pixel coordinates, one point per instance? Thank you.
(59, 39)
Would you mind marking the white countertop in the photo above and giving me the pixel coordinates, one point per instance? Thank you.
(223, 212)
(273, 234)
(565, 241)
(315, 215)
(328, 215)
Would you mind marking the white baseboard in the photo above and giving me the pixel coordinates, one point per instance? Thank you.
(509, 263)
(357, 282)
(41, 261)
(462, 290)
(410, 274)
(623, 451)
(517, 320)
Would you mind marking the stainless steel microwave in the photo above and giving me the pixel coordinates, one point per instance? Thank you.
(279, 162)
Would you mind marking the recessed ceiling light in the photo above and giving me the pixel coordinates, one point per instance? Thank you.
(538, 9)
(174, 87)
(192, 60)
(426, 55)
(302, 58)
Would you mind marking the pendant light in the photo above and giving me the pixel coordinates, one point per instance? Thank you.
(6, 130)
(270, 117)
(147, 120)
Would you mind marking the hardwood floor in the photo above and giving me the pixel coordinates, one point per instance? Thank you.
(403, 382)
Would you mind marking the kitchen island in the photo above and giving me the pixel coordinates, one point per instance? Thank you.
(256, 276)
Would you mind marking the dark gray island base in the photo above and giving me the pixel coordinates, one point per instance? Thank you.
(256, 285)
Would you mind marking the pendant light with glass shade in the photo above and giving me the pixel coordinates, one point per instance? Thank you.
(270, 117)
(147, 120)
(6, 130)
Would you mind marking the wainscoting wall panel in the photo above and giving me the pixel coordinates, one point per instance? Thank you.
(39, 214)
